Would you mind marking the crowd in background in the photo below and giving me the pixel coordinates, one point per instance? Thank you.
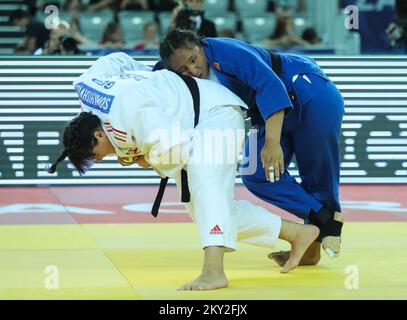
(67, 37)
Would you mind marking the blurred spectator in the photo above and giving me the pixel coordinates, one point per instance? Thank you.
(397, 30)
(112, 36)
(227, 33)
(150, 37)
(134, 5)
(163, 5)
(299, 6)
(302, 6)
(190, 15)
(283, 35)
(74, 7)
(36, 35)
(116, 5)
(96, 5)
(310, 35)
(52, 45)
(68, 45)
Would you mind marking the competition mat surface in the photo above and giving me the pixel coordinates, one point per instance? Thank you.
(102, 243)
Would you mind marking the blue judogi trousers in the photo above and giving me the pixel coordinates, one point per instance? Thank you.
(315, 145)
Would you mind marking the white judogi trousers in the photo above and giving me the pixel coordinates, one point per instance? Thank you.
(220, 219)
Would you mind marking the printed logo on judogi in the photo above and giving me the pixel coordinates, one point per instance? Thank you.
(93, 98)
(216, 230)
(216, 66)
(133, 151)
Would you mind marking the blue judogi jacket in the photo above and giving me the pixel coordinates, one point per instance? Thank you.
(247, 71)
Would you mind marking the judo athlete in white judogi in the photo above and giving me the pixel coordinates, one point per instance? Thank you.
(148, 118)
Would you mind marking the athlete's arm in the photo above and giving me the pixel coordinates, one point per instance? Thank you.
(272, 155)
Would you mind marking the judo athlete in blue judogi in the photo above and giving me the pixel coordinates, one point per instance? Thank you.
(298, 112)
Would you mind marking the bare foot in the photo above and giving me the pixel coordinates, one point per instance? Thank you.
(302, 239)
(311, 257)
(206, 282)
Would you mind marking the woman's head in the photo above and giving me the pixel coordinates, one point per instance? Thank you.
(182, 52)
(194, 4)
(284, 25)
(113, 33)
(84, 141)
(72, 5)
(151, 31)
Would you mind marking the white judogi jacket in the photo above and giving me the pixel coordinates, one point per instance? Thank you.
(133, 103)
(142, 111)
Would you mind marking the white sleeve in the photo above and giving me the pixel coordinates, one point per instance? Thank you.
(112, 65)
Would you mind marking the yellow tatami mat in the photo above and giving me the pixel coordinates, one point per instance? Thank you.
(149, 261)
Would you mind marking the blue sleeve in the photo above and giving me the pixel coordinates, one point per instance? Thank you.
(247, 65)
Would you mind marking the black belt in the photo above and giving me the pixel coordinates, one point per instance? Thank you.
(185, 195)
(277, 67)
(278, 70)
(276, 61)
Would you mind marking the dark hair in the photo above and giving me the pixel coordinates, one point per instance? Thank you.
(280, 29)
(79, 141)
(17, 15)
(175, 39)
(111, 27)
(310, 35)
(69, 44)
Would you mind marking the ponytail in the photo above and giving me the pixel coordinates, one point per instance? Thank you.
(78, 142)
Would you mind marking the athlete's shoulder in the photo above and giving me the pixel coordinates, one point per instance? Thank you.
(224, 42)
(222, 49)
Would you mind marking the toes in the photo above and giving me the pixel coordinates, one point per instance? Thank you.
(191, 287)
(285, 270)
(288, 267)
(185, 287)
(280, 261)
(280, 257)
(275, 254)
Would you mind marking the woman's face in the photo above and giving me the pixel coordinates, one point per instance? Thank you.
(103, 146)
(116, 35)
(151, 32)
(195, 4)
(191, 61)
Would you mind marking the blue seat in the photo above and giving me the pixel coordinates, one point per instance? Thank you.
(132, 23)
(164, 18)
(251, 7)
(93, 24)
(225, 21)
(216, 7)
(258, 28)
